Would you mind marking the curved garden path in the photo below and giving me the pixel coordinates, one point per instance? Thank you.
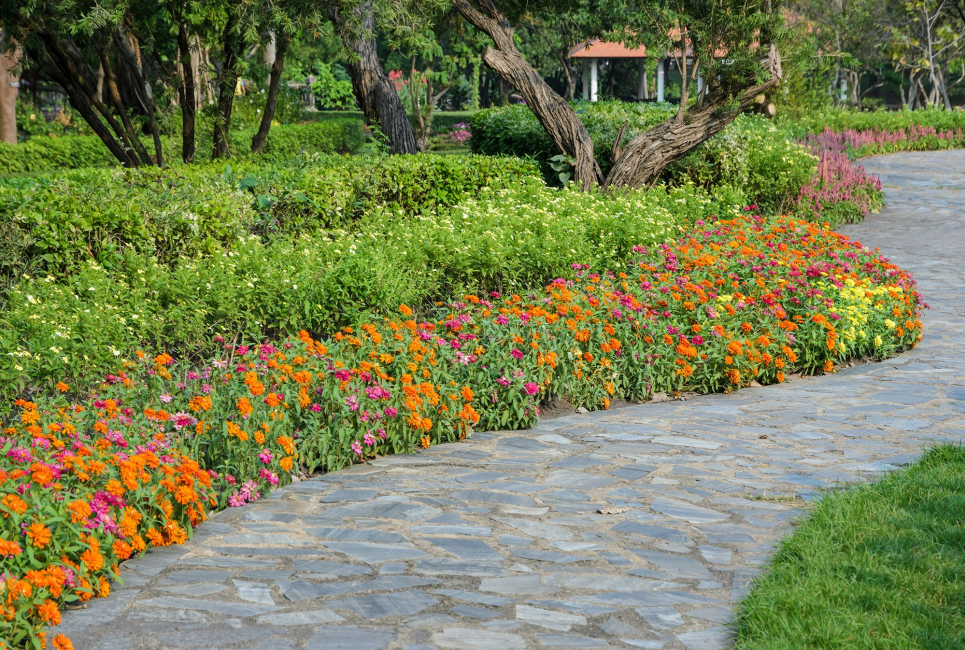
(637, 527)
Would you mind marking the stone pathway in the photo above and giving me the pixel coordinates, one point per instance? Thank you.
(634, 528)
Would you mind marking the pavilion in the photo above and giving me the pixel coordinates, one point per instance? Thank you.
(594, 50)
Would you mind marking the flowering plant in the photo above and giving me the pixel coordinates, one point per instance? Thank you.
(87, 482)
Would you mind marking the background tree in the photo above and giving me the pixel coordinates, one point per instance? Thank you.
(730, 42)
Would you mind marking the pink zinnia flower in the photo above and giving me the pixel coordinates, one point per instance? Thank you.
(531, 388)
(357, 448)
(265, 456)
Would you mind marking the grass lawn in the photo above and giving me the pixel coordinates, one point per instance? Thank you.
(880, 565)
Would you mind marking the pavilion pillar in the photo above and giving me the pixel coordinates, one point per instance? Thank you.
(661, 78)
(642, 91)
(700, 84)
(594, 80)
(586, 80)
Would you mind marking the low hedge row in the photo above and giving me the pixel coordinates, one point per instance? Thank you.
(49, 223)
(880, 120)
(88, 482)
(44, 154)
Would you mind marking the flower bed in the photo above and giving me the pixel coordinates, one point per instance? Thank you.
(840, 191)
(86, 481)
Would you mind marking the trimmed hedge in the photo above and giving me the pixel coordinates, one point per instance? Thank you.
(82, 151)
(49, 223)
(840, 120)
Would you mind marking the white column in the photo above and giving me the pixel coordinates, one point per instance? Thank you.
(594, 79)
(586, 80)
(642, 90)
(661, 75)
(700, 83)
(844, 90)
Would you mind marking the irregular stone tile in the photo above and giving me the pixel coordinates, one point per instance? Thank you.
(686, 511)
(254, 592)
(443, 566)
(372, 553)
(570, 641)
(349, 638)
(516, 585)
(661, 618)
(474, 612)
(466, 639)
(712, 639)
(473, 597)
(349, 495)
(471, 531)
(213, 606)
(310, 617)
(487, 496)
(547, 618)
(194, 589)
(404, 603)
(546, 556)
(467, 549)
(331, 568)
(358, 535)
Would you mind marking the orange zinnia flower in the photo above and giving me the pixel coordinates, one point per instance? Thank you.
(39, 535)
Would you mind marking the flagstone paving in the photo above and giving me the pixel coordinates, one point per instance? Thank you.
(633, 528)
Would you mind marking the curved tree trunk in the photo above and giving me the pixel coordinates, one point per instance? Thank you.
(274, 85)
(374, 90)
(553, 112)
(647, 155)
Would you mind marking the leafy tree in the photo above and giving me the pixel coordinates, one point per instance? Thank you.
(731, 43)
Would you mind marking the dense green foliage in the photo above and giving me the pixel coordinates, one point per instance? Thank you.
(752, 153)
(43, 154)
(89, 318)
(49, 223)
(875, 566)
(840, 120)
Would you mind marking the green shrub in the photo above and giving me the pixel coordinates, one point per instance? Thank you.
(514, 130)
(754, 154)
(881, 120)
(44, 154)
(49, 223)
(751, 153)
(330, 192)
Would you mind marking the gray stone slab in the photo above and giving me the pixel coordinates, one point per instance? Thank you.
(350, 638)
(308, 617)
(469, 639)
(403, 603)
(372, 553)
(467, 549)
(213, 606)
(548, 618)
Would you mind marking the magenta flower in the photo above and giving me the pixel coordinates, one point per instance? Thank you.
(265, 456)
(531, 388)
(357, 448)
(516, 353)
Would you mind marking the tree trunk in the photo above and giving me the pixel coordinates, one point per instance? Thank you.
(9, 87)
(128, 136)
(226, 88)
(280, 47)
(374, 90)
(63, 71)
(553, 112)
(142, 86)
(647, 155)
(186, 91)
